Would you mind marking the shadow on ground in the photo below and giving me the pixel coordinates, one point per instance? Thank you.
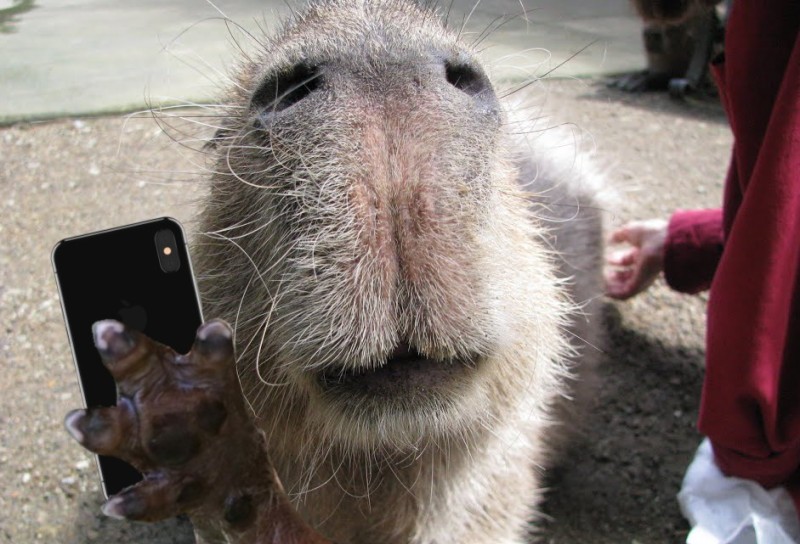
(91, 525)
(621, 479)
(700, 106)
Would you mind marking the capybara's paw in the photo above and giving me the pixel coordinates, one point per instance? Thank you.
(182, 421)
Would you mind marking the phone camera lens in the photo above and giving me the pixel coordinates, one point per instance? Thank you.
(166, 247)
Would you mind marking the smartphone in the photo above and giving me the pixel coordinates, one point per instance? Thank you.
(138, 274)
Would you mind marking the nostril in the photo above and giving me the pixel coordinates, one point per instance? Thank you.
(466, 77)
(287, 87)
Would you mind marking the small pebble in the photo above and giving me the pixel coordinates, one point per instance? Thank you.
(81, 126)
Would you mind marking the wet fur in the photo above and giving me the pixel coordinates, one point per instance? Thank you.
(390, 205)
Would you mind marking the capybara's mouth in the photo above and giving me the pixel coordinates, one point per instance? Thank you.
(405, 372)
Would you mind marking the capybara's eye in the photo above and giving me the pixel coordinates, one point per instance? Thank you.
(466, 78)
(287, 88)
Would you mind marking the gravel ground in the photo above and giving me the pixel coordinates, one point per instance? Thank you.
(71, 176)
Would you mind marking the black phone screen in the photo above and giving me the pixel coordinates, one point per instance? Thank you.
(140, 275)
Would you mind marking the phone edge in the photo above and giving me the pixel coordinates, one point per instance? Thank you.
(72, 353)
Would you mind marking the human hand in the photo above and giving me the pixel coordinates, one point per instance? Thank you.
(632, 269)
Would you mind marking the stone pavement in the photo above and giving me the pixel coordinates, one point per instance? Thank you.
(85, 57)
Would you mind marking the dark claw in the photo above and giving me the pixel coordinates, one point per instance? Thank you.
(73, 424)
(115, 507)
(112, 339)
(156, 497)
(127, 354)
(126, 505)
(214, 341)
(102, 430)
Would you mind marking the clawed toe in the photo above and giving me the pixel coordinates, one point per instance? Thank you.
(71, 422)
(127, 354)
(214, 342)
(112, 339)
(107, 431)
(155, 498)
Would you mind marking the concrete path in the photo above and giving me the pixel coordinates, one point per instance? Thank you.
(80, 57)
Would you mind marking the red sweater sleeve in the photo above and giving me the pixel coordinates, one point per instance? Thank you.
(692, 249)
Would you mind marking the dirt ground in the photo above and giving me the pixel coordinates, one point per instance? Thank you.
(617, 486)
